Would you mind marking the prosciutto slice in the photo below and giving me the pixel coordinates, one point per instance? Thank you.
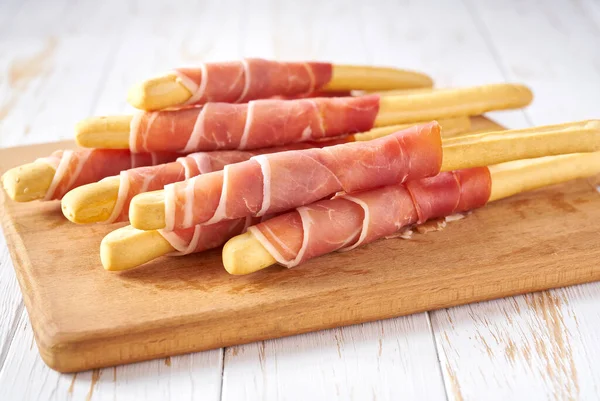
(257, 124)
(84, 166)
(201, 238)
(253, 78)
(351, 220)
(277, 182)
(143, 179)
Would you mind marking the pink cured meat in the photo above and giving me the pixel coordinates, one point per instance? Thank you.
(258, 124)
(151, 178)
(201, 238)
(250, 79)
(84, 166)
(351, 220)
(274, 183)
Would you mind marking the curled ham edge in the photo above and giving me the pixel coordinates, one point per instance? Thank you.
(61, 165)
(363, 229)
(202, 164)
(198, 90)
(183, 247)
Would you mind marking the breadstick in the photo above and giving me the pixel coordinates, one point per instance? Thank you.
(338, 115)
(245, 254)
(238, 82)
(148, 211)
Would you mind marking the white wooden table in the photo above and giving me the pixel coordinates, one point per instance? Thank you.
(62, 60)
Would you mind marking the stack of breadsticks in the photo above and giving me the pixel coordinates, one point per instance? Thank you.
(283, 162)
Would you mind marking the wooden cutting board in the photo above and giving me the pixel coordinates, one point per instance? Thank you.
(84, 317)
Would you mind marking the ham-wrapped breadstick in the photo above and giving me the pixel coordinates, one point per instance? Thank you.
(265, 123)
(51, 177)
(349, 221)
(268, 184)
(108, 200)
(250, 79)
(127, 247)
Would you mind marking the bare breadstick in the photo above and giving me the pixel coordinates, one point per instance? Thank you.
(245, 254)
(92, 202)
(113, 132)
(29, 181)
(127, 247)
(147, 211)
(169, 90)
(498, 147)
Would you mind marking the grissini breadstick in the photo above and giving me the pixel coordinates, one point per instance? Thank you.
(108, 200)
(262, 185)
(358, 219)
(266, 123)
(127, 247)
(250, 79)
(51, 177)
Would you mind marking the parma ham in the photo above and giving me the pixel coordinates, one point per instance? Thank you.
(250, 79)
(201, 238)
(351, 220)
(257, 124)
(84, 166)
(273, 183)
(143, 179)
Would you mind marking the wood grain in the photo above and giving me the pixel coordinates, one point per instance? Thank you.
(84, 317)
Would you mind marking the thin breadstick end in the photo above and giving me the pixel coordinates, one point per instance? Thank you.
(158, 93)
(499, 147)
(147, 210)
(91, 203)
(244, 254)
(449, 103)
(126, 248)
(525, 175)
(347, 77)
(29, 181)
(111, 132)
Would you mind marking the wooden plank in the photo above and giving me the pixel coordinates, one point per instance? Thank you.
(532, 344)
(81, 322)
(391, 359)
(193, 376)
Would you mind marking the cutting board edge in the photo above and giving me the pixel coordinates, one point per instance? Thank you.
(65, 353)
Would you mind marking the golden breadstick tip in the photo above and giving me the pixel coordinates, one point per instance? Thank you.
(111, 132)
(147, 210)
(126, 248)
(158, 93)
(347, 77)
(431, 105)
(244, 254)
(29, 181)
(91, 203)
(525, 175)
(498, 147)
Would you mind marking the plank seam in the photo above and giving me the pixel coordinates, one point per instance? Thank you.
(12, 332)
(223, 351)
(487, 38)
(437, 352)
